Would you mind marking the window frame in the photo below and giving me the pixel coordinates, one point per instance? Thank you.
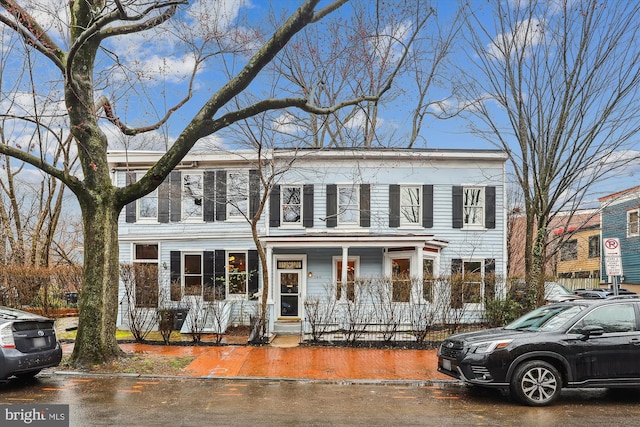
(351, 208)
(237, 203)
(635, 230)
(478, 208)
(565, 255)
(404, 189)
(150, 199)
(594, 246)
(350, 291)
(284, 205)
(188, 200)
(186, 286)
(229, 274)
(136, 260)
(460, 287)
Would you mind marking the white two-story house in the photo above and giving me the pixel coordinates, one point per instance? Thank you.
(332, 217)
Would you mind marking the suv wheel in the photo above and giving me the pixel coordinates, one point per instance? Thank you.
(536, 383)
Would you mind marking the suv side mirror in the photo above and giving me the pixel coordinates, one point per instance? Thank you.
(592, 330)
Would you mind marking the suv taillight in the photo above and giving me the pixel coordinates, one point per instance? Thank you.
(6, 336)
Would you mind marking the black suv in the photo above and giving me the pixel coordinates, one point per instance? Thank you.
(578, 343)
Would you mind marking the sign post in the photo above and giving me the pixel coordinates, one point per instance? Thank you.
(613, 261)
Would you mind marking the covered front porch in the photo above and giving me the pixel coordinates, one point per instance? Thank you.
(304, 267)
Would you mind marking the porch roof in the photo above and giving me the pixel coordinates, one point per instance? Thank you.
(332, 240)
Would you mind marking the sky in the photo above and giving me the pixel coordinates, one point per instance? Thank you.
(142, 75)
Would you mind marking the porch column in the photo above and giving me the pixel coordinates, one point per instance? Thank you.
(344, 275)
(270, 274)
(417, 290)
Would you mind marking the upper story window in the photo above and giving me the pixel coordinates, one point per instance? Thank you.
(594, 246)
(569, 250)
(348, 205)
(410, 205)
(237, 195)
(291, 204)
(192, 194)
(473, 206)
(148, 205)
(633, 223)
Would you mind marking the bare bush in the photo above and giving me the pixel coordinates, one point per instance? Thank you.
(141, 298)
(320, 314)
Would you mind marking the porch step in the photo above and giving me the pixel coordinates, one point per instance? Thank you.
(287, 327)
(284, 341)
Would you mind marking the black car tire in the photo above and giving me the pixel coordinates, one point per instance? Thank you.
(536, 383)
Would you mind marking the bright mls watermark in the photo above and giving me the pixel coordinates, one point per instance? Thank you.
(35, 415)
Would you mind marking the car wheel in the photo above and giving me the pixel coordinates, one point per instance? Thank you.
(536, 383)
(27, 375)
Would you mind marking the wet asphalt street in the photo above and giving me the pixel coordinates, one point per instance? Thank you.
(138, 401)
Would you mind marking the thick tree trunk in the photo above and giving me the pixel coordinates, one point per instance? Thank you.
(96, 339)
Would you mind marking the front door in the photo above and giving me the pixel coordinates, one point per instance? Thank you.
(289, 293)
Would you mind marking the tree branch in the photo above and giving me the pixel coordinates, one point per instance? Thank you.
(31, 32)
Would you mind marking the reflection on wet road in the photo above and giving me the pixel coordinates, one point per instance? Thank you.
(134, 401)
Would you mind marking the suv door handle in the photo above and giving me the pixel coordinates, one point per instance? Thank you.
(635, 341)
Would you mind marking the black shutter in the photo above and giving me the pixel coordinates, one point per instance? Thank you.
(427, 206)
(209, 276)
(254, 192)
(253, 270)
(274, 207)
(456, 196)
(489, 279)
(456, 266)
(130, 210)
(307, 205)
(365, 205)
(220, 273)
(332, 205)
(174, 266)
(209, 191)
(221, 195)
(490, 207)
(394, 206)
(176, 196)
(219, 265)
(163, 201)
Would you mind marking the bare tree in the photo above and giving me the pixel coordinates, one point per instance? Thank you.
(74, 54)
(555, 84)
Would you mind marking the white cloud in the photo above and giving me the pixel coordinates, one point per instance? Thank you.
(525, 36)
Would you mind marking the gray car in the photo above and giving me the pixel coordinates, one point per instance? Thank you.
(28, 344)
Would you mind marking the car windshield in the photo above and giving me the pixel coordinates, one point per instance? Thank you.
(546, 318)
(556, 289)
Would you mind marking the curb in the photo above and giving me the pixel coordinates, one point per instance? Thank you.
(345, 381)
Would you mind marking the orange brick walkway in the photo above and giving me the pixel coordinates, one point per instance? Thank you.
(322, 363)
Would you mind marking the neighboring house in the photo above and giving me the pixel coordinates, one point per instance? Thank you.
(333, 218)
(573, 247)
(578, 246)
(621, 220)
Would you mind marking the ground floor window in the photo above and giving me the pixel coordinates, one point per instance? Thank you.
(145, 272)
(401, 280)
(192, 274)
(428, 280)
(349, 287)
(237, 273)
(472, 281)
